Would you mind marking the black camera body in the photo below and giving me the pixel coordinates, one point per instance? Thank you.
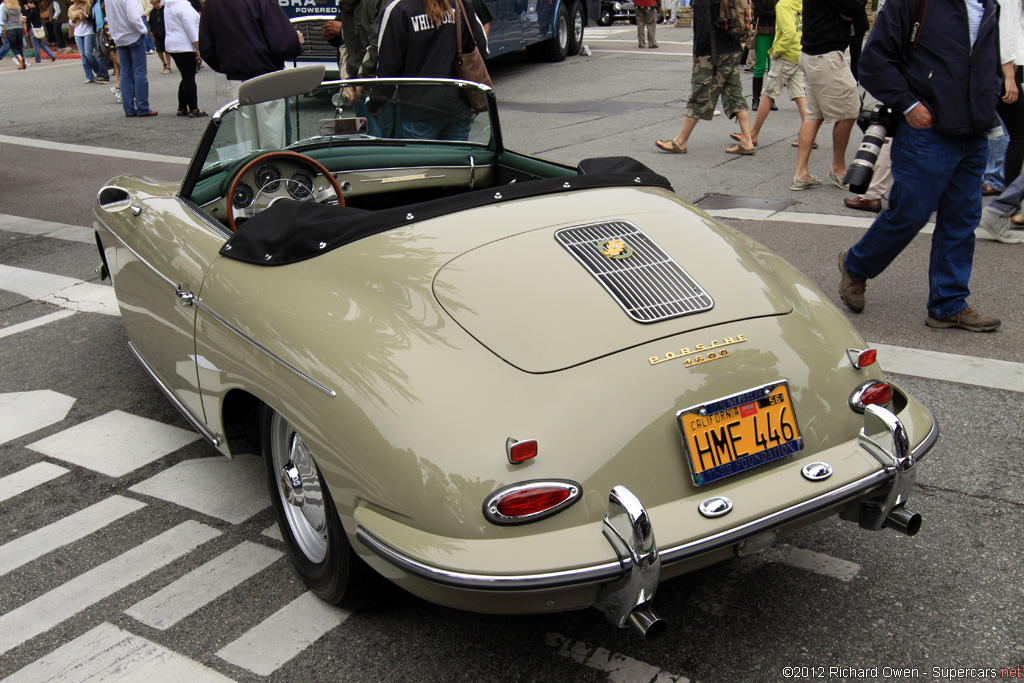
(878, 123)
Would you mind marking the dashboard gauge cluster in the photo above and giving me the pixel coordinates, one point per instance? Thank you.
(243, 197)
(300, 185)
(268, 178)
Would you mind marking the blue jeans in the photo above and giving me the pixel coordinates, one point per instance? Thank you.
(40, 47)
(91, 64)
(134, 82)
(16, 41)
(150, 46)
(455, 127)
(996, 158)
(931, 172)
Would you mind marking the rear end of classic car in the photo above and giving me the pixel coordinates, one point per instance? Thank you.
(568, 539)
(763, 413)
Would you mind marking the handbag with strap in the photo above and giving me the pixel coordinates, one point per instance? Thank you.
(39, 33)
(469, 66)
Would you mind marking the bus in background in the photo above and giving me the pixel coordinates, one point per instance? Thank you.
(549, 30)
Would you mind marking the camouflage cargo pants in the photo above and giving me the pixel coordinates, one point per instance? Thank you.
(705, 87)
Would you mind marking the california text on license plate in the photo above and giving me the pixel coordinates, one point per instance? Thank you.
(738, 432)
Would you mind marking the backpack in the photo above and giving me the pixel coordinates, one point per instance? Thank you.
(735, 17)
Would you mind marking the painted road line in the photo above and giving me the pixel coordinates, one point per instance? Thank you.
(27, 411)
(116, 443)
(810, 561)
(72, 528)
(232, 489)
(60, 231)
(95, 151)
(201, 586)
(620, 668)
(65, 292)
(950, 367)
(12, 330)
(284, 634)
(50, 609)
(108, 654)
(27, 479)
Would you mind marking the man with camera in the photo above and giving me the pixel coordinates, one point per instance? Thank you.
(939, 74)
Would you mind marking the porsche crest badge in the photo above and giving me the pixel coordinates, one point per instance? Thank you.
(615, 248)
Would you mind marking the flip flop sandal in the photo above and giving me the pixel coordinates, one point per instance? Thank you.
(739, 150)
(796, 143)
(736, 137)
(674, 149)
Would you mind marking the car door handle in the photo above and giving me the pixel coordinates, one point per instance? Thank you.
(185, 297)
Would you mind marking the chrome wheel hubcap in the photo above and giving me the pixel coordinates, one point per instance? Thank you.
(301, 495)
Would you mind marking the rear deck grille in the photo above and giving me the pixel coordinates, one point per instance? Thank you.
(648, 284)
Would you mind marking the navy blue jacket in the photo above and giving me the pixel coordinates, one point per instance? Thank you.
(959, 84)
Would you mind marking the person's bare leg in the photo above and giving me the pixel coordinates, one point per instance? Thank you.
(764, 107)
(684, 134)
(744, 120)
(840, 139)
(808, 131)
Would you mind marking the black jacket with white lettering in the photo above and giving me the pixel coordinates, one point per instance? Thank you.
(958, 82)
(410, 45)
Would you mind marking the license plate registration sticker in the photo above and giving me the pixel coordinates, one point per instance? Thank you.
(738, 432)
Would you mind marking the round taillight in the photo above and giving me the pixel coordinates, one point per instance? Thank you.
(531, 500)
(871, 393)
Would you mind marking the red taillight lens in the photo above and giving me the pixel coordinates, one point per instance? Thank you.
(872, 393)
(521, 451)
(530, 501)
(862, 359)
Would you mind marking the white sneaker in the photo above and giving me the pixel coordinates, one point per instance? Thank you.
(117, 92)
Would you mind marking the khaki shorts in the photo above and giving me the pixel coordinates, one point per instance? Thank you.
(705, 89)
(831, 88)
(784, 73)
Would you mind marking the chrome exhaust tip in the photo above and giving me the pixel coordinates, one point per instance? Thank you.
(648, 624)
(903, 520)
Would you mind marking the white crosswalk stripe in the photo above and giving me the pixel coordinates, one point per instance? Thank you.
(24, 480)
(201, 586)
(284, 634)
(109, 654)
(65, 292)
(115, 444)
(63, 602)
(25, 412)
(74, 527)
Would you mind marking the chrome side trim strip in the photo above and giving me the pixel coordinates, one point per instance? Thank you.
(185, 412)
(273, 356)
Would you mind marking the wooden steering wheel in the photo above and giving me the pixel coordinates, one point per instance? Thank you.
(294, 156)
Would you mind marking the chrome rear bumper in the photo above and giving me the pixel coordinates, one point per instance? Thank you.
(635, 574)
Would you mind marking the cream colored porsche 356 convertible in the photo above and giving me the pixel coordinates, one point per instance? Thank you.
(505, 384)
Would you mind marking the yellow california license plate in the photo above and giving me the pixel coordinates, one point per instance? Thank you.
(738, 432)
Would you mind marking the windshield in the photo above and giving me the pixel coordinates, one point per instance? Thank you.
(353, 112)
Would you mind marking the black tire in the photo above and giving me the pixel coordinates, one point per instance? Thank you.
(577, 22)
(321, 554)
(555, 48)
(605, 18)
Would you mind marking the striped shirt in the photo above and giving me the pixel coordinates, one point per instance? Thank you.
(975, 11)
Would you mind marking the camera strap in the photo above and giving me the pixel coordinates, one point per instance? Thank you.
(920, 7)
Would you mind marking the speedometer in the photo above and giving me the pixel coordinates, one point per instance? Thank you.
(268, 178)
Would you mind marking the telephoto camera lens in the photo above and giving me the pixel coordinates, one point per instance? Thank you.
(858, 175)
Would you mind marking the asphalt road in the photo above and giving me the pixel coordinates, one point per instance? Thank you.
(99, 531)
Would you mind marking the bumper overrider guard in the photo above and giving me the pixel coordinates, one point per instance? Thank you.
(630, 583)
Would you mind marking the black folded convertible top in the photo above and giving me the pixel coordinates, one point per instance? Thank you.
(292, 231)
